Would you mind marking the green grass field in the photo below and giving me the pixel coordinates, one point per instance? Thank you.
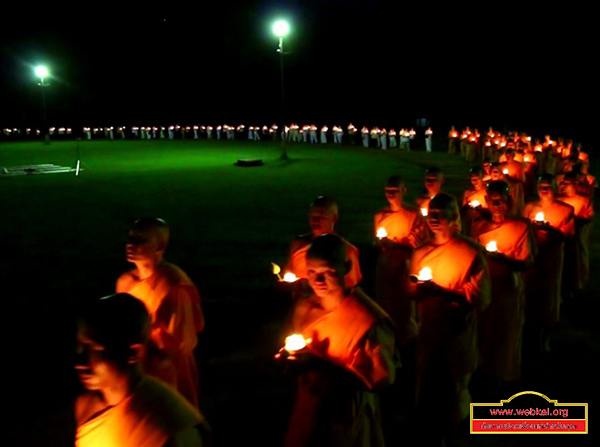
(63, 241)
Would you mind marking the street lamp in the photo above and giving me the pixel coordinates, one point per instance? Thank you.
(42, 72)
(281, 28)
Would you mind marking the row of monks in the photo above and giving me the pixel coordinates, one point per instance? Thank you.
(460, 285)
(463, 285)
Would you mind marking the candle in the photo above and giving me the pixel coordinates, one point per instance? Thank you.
(425, 274)
(289, 277)
(539, 217)
(491, 246)
(295, 342)
(505, 171)
(424, 212)
(474, 204)
(381, 233)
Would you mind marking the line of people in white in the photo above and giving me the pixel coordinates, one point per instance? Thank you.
(309, 133)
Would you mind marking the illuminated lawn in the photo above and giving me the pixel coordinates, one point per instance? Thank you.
(63, 242)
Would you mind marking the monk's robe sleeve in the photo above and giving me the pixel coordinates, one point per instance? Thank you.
(477, 287)
(175, 329)
(567, 227)
(523, 249)
(587, 211)
(375, 363)
(419, 233)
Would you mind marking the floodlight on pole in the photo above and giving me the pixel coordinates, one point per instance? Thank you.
(42, 73)
(281, 28)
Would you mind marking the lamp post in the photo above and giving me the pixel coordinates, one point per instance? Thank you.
(281, 29)
(42, 72)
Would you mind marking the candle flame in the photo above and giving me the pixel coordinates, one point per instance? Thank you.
(491, 246)
(424, 212)
(425, 274)
(539, 217)
(290, 277)
(381, 233)
(505, 171)
(474, 204)
(295, 342)
(276, 268)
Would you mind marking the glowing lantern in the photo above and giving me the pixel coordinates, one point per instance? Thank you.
(527, 158)
(289, 277)
(295, 342)
(474, 204)
(424, 212)
(381, 233)
(491, 246)
(539, 217)
(425, 274)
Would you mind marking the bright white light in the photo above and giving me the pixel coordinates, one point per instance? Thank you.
(41, 71)
(295, 342)
(381, 233)
(290, 277)
(425, 274)
(281, 28)
(491, 246)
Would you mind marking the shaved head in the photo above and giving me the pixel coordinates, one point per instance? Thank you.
(147, 240)
(329, 248)
(325, 203)
(499, 187)
(434, 171)
(445, 203)
(395, 181)
(153, 226)
(116, 322)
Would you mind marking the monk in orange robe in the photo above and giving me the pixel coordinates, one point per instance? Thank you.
(173, 303)
(322, 217)
(434, 179)
(350, 354)
(509, 244)
(452, 141)
(515, 168)
(474, 203)
(405, 229)
(587, 183)
(553, 222)
(452, 285)
(122, 406)
(577, 253)
(516, 191)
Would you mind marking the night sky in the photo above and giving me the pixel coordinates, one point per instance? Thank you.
(360, 61)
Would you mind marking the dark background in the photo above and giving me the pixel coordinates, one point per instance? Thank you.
(370, 62)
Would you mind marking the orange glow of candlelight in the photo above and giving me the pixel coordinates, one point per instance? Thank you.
(474, 204)
(505, 171)
(491, 246)
(425, 274)
(424, 212)
(539, 217)
(381, 233)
